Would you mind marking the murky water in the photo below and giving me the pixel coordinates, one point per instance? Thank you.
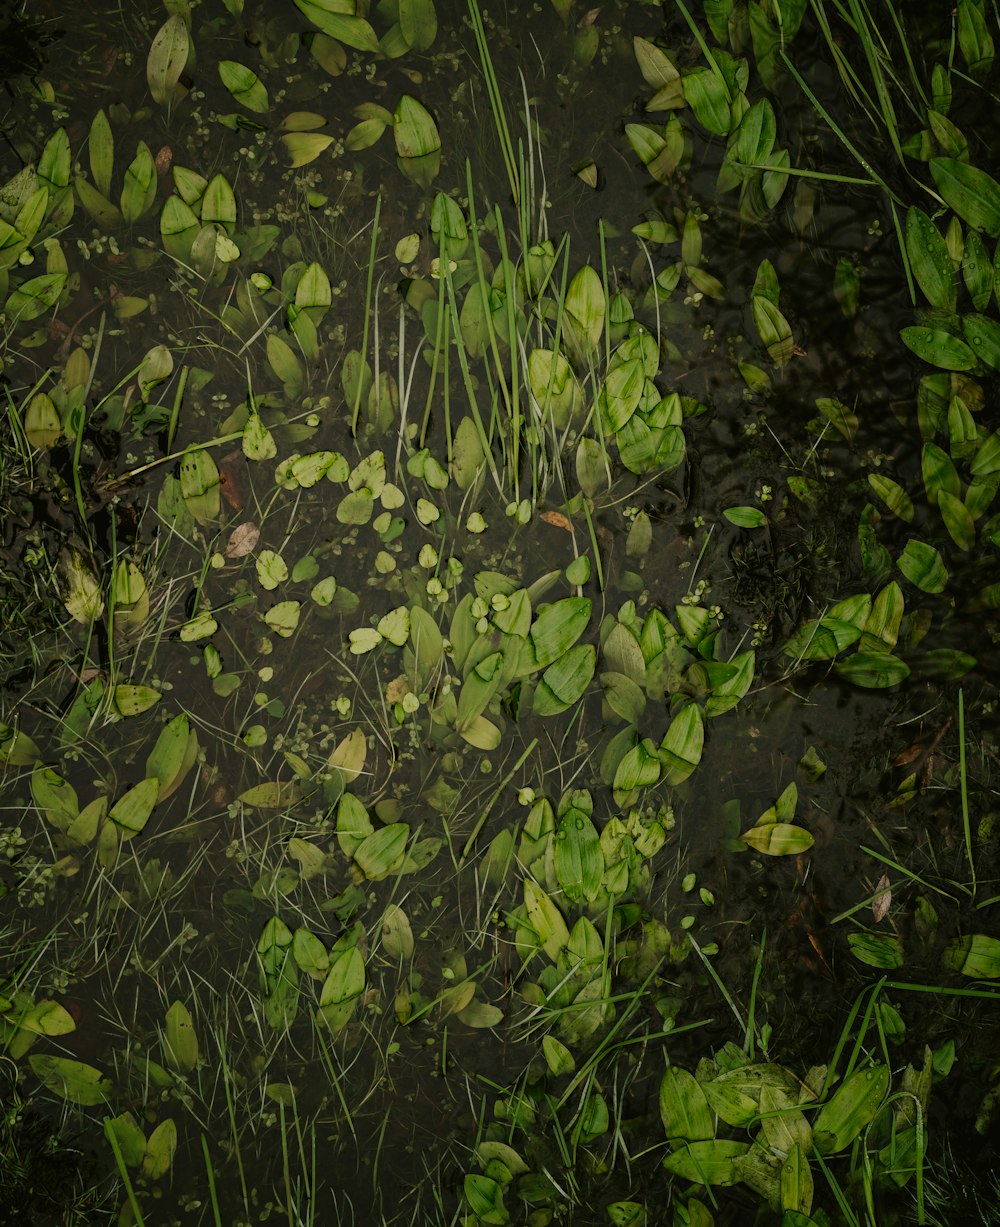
(379, 1122)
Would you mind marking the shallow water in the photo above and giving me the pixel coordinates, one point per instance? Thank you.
(395, 1108)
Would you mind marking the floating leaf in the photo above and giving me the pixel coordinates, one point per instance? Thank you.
(131, 812)
(893, 495)
(73, 1080)
(939, 348)
(929, 260)
(923, 567)
(168, 56)
(972, 193)
(244, 85)
(680, 750)
(342, 988)
(851, 1109)
(773, 329)
(418, 23)
(778, 839)
(382, 852)
(274, 795)
(564, 682)
(684, 1109)
(976, 956)
(873, 670)
(707, 1162)
(745, 517)
(180, 1043)
(579, 864)
(546, 919)
(340, 23)
(160, 1148)
(983, 334)
(305, 147)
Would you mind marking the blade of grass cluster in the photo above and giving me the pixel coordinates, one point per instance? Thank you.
(874, 61)
(918, 85)
(356, 407)
(751, 1027)
(212, 1192)
(484, 289)
(496, 101)
(705, 49)
(81, 502)
(835, 128)
(123, 1171)
(514, 384)
(964, 779)
(231, 1112)
(440, 346)
(481, 820)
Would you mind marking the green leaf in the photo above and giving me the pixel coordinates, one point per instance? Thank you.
(684, 1109)
(546, 919)
(418, 22)
(939, 348)
(585, 305)
(73, 1080)
(134, 700)
(983, 335)
(579, 864)
(131, 812)
(342, 988)
(976, 956)
(305, 147)
(707, 1162)
(893, 495)
(639, 768)
(923, 567)
(180, 1042)
(35, 296)
(621, 394)
(16, 748)
(745, 517)
(773, 329)
(778, 839)
(160, 1148)
(272, 794)
(557, 627)
(101, 150)
(973, 194)
(564, 682)
(414, 129)
(873, 670)
(852, 1107)
(382, 852)
(131, 1140)
(168, 56)
(624, 696)
(139, 190)
(200, 485)
(877, 949)
(332, 18)
(244, 85)
(54, 796)
(99, 207)
(680, 750)
(957, 520)
(706, 94)
(929, 260)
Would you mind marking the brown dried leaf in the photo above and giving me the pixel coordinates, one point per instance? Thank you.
(243, 540)
(883, 898)
(558, 519)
